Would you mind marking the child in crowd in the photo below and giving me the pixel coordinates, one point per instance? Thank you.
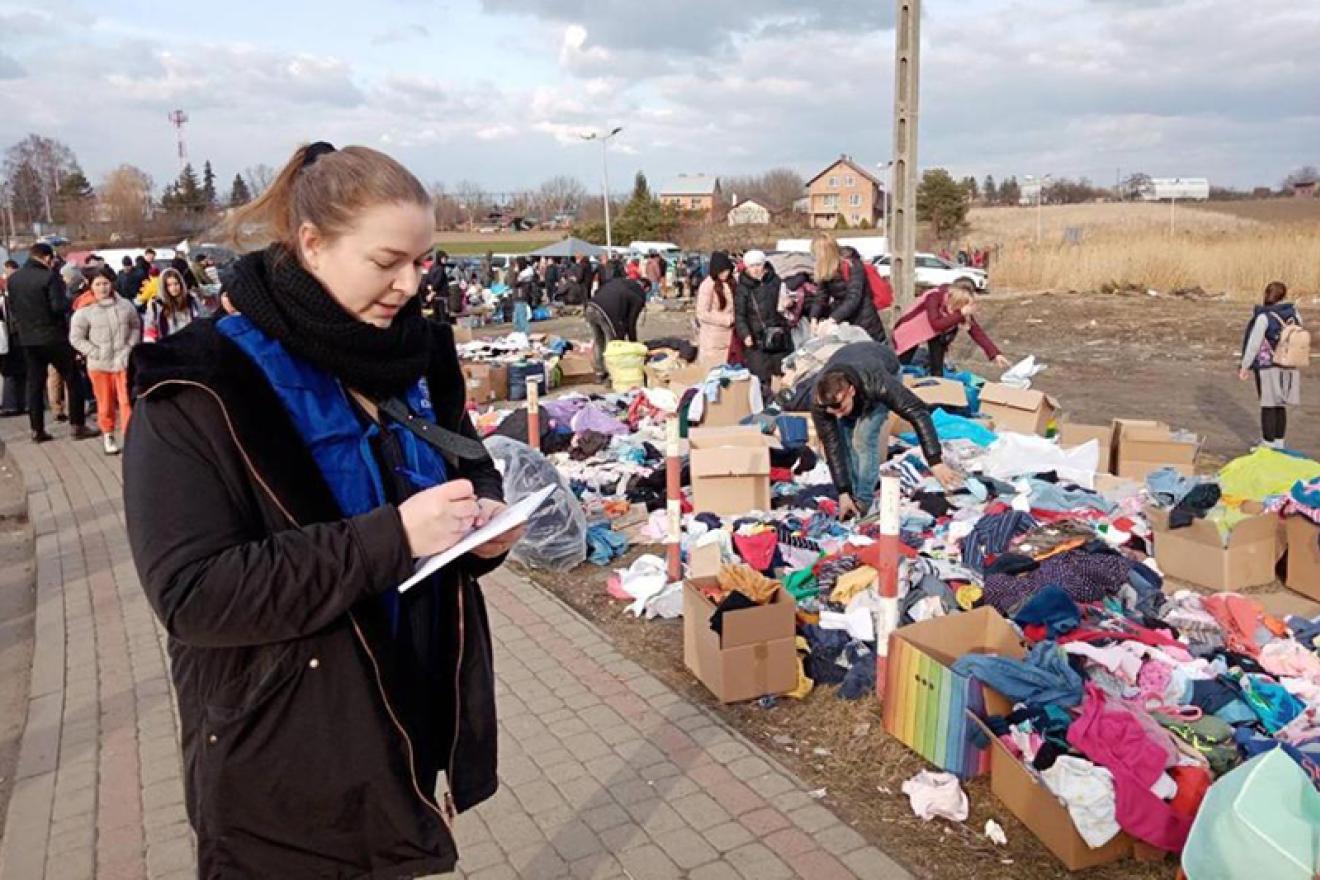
(104, 332)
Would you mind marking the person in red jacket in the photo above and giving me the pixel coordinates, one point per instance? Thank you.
(935, 319)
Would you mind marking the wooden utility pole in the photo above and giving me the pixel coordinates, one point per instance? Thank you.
(903, 219)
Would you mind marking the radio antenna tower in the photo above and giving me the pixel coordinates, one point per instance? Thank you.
(177, 119)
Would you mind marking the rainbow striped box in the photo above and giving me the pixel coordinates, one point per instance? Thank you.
(926, 702)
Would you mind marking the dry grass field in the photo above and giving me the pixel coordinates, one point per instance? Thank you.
(1231, 247)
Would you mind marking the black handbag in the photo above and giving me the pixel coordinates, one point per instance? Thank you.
(774, 339)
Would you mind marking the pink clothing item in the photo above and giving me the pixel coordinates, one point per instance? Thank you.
(1114, 738)
(714, 324)
(1239, 617)
(1286, 657)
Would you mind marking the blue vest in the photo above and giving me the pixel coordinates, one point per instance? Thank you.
(340, 444)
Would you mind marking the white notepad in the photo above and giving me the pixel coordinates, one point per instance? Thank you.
(510, 518)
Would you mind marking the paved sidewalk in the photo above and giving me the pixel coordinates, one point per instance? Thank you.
(607, 772)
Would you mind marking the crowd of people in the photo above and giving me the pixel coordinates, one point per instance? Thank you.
(68, 331)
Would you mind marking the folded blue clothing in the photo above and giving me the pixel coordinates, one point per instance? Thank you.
(604, 544)
(1168, 487)
(1053, 497)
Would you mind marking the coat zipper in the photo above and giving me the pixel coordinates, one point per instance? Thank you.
(446, 813)
(458, 704)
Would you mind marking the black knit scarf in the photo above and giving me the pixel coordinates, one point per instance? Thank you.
(288, 304)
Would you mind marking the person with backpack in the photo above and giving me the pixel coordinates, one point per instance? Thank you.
(1273, 348)
(844, 290)
(934, 319)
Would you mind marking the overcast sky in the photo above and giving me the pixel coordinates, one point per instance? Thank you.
(498, 91)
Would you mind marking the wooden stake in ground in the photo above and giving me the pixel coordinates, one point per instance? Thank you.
(674, 499)
(887, 617)
(534, 413)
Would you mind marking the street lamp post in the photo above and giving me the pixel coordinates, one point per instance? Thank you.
(605, 177)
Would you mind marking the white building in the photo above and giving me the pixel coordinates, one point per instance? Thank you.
(749, 213)
(1161, 189)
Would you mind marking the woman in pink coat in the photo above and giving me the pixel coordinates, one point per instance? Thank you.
(715, 310)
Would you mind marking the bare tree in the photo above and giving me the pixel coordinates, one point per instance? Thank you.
(35, 168)
(472, 201)
(447, 213)
(126, 195)
(560, 195)
(778, 188)
(259, 178)
(1305, 174)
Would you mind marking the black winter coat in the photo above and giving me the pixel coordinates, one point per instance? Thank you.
(850, 301)
(623, 301)
(756, 305)
(298, 754)
(874, 370)
(38, 305)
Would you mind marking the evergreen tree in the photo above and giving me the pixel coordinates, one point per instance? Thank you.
(641, 189)
(988, 190)
(187, 191)
(238, 192)
(208, 184)
(1009, 192)
(942, 202)
(969, 183)
(75, 186)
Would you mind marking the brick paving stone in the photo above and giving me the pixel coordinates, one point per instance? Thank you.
(606, 771)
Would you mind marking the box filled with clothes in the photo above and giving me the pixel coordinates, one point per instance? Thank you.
(945, 394)
(1141, 447)
(677, 378)
(739, 648)
(926, 702)
(1037, 808)
(1017, 409)
(730, 469)
(1199, 553)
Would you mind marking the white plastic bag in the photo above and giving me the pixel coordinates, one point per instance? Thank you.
(1020, 374)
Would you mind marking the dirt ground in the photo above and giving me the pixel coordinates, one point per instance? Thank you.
(1108, 356)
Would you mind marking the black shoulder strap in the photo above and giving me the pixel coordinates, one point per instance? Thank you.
(453, 446)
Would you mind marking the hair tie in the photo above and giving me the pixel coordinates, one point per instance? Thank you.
(316, 151)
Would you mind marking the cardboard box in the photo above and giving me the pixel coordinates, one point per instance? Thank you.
(730, 469)
(945, 393)
(1073, 435)
(1037, 808)
(676, 380)
(486, 383)
(756, 655)
(1013, 409)
(926, 703)
(1303, 556)
(1196, 554)
(1141, 447)
(731, 408)
(704, 563)
(576, 368)
(462, 334)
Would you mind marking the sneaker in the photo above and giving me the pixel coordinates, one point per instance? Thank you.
(111, 447)
(41, 437)
(82, 432)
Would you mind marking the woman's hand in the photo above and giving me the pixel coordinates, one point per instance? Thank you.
(437, 518)
(1002, 362)
(500, 544)
(1244, 375)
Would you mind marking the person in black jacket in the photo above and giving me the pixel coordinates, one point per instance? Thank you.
(764, 332)
(12, 367)
(855, 392)
(39, 313)
(613, 314)
(843, 293)
(318, 704)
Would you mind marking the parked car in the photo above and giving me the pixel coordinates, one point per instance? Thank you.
(932, 272)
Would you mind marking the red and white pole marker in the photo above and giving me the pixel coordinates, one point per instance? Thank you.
(887, 615)
(674, 499)
(534, 412)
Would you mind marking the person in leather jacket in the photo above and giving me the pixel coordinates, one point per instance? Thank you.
(854, 394)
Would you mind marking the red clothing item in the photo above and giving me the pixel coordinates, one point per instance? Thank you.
(634, 272)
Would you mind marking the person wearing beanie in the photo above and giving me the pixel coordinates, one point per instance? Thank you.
(764, 331)
(715, 313)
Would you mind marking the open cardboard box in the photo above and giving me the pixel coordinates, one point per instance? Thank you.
(678, 379)
(926, 702)
(757, 654)
(576, 367)
(1072, 435)
(730, 469)
(486, 383)
(1142, 446)
(1303, 556)
(732, 406)
(942, 393)
(1037, 808)
(1197, 555)
(1022, 411)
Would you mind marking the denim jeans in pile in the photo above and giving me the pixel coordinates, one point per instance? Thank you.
(861, 440)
